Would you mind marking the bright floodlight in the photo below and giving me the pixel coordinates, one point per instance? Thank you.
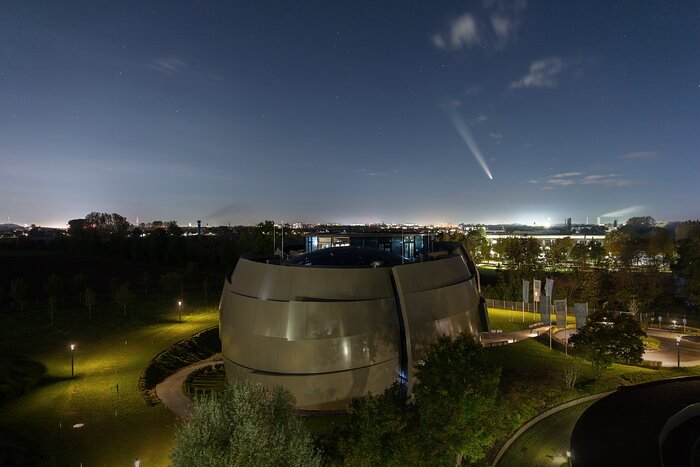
(179, 303)
(72, 346)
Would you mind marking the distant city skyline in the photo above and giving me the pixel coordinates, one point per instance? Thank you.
(359, 112)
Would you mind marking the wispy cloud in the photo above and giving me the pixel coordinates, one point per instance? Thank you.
(463, 32)
(641, 155)
(494, 27)
(479, 119)
(542, 74)
(168, 65)
(472, 90)
(378, 173)
(495, 135)
(565, 179)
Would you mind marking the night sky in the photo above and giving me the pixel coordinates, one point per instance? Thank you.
(349, 111)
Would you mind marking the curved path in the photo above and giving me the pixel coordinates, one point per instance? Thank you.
(170, 390)
(538, 418)
(668, 355)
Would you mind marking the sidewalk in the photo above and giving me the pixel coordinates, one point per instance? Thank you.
(170, 390)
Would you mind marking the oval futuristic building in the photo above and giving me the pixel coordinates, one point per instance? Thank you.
(337, 323)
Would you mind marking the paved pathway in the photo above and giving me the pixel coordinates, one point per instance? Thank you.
(170, 390)
(493, 338)
(668, 355)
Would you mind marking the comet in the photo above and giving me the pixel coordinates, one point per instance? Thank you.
(623, 212)
(466, 135)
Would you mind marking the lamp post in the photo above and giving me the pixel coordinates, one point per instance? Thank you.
(137, 462)
(72, 360)
(179, 309)
(678, 348)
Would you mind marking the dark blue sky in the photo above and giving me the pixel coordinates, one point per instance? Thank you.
(349, 111)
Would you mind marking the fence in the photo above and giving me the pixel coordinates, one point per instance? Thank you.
(518, 306)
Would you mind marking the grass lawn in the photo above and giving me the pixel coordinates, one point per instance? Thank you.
(111, 350)
(533, 381)
(501, 319)
(546, 443)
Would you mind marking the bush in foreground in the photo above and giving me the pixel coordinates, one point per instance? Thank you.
(246, 425)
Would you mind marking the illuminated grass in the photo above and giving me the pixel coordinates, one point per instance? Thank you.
(545, 443)
(116, 430)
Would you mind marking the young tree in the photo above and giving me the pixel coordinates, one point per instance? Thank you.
(123, 295)
(145, 282)
(608, 338)
(172, 282)
(18, 292)
(247, 425)
(79, 283)
(54, 286)
(89, 300)
(455, 397)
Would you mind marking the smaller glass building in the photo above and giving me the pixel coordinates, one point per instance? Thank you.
(409, 245)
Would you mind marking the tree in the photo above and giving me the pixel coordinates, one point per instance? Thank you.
(579, 256)
(54, 286)
(174, 230)
(455, 397)
(558, 253)
(123, 295)
(245, 425)
(172, 282)
(378, 431)
(18, 292)
(145, 282)
(3, 293)
(477, 245)
(609, 337)
(79, 283)
(687, 267)
(89, 300)
(521, 255)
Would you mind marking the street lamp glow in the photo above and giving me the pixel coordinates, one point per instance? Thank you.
(678, 348)
(72, 360)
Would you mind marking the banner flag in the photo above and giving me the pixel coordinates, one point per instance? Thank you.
(560, 311)
(581, 313)
(545, 311)
(526, 291)
(536, 289)
(549, 285)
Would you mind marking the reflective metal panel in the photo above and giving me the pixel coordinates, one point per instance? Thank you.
(331, 334)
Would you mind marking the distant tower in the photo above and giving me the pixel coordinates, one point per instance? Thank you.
(199, 227)
(598, 220)
(615, 223)
(568, 225)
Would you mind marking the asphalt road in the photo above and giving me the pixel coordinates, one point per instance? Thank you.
(668, 355)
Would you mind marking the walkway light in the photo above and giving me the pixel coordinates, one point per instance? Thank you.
(678, 347)
(72, 360)
(179, 309)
